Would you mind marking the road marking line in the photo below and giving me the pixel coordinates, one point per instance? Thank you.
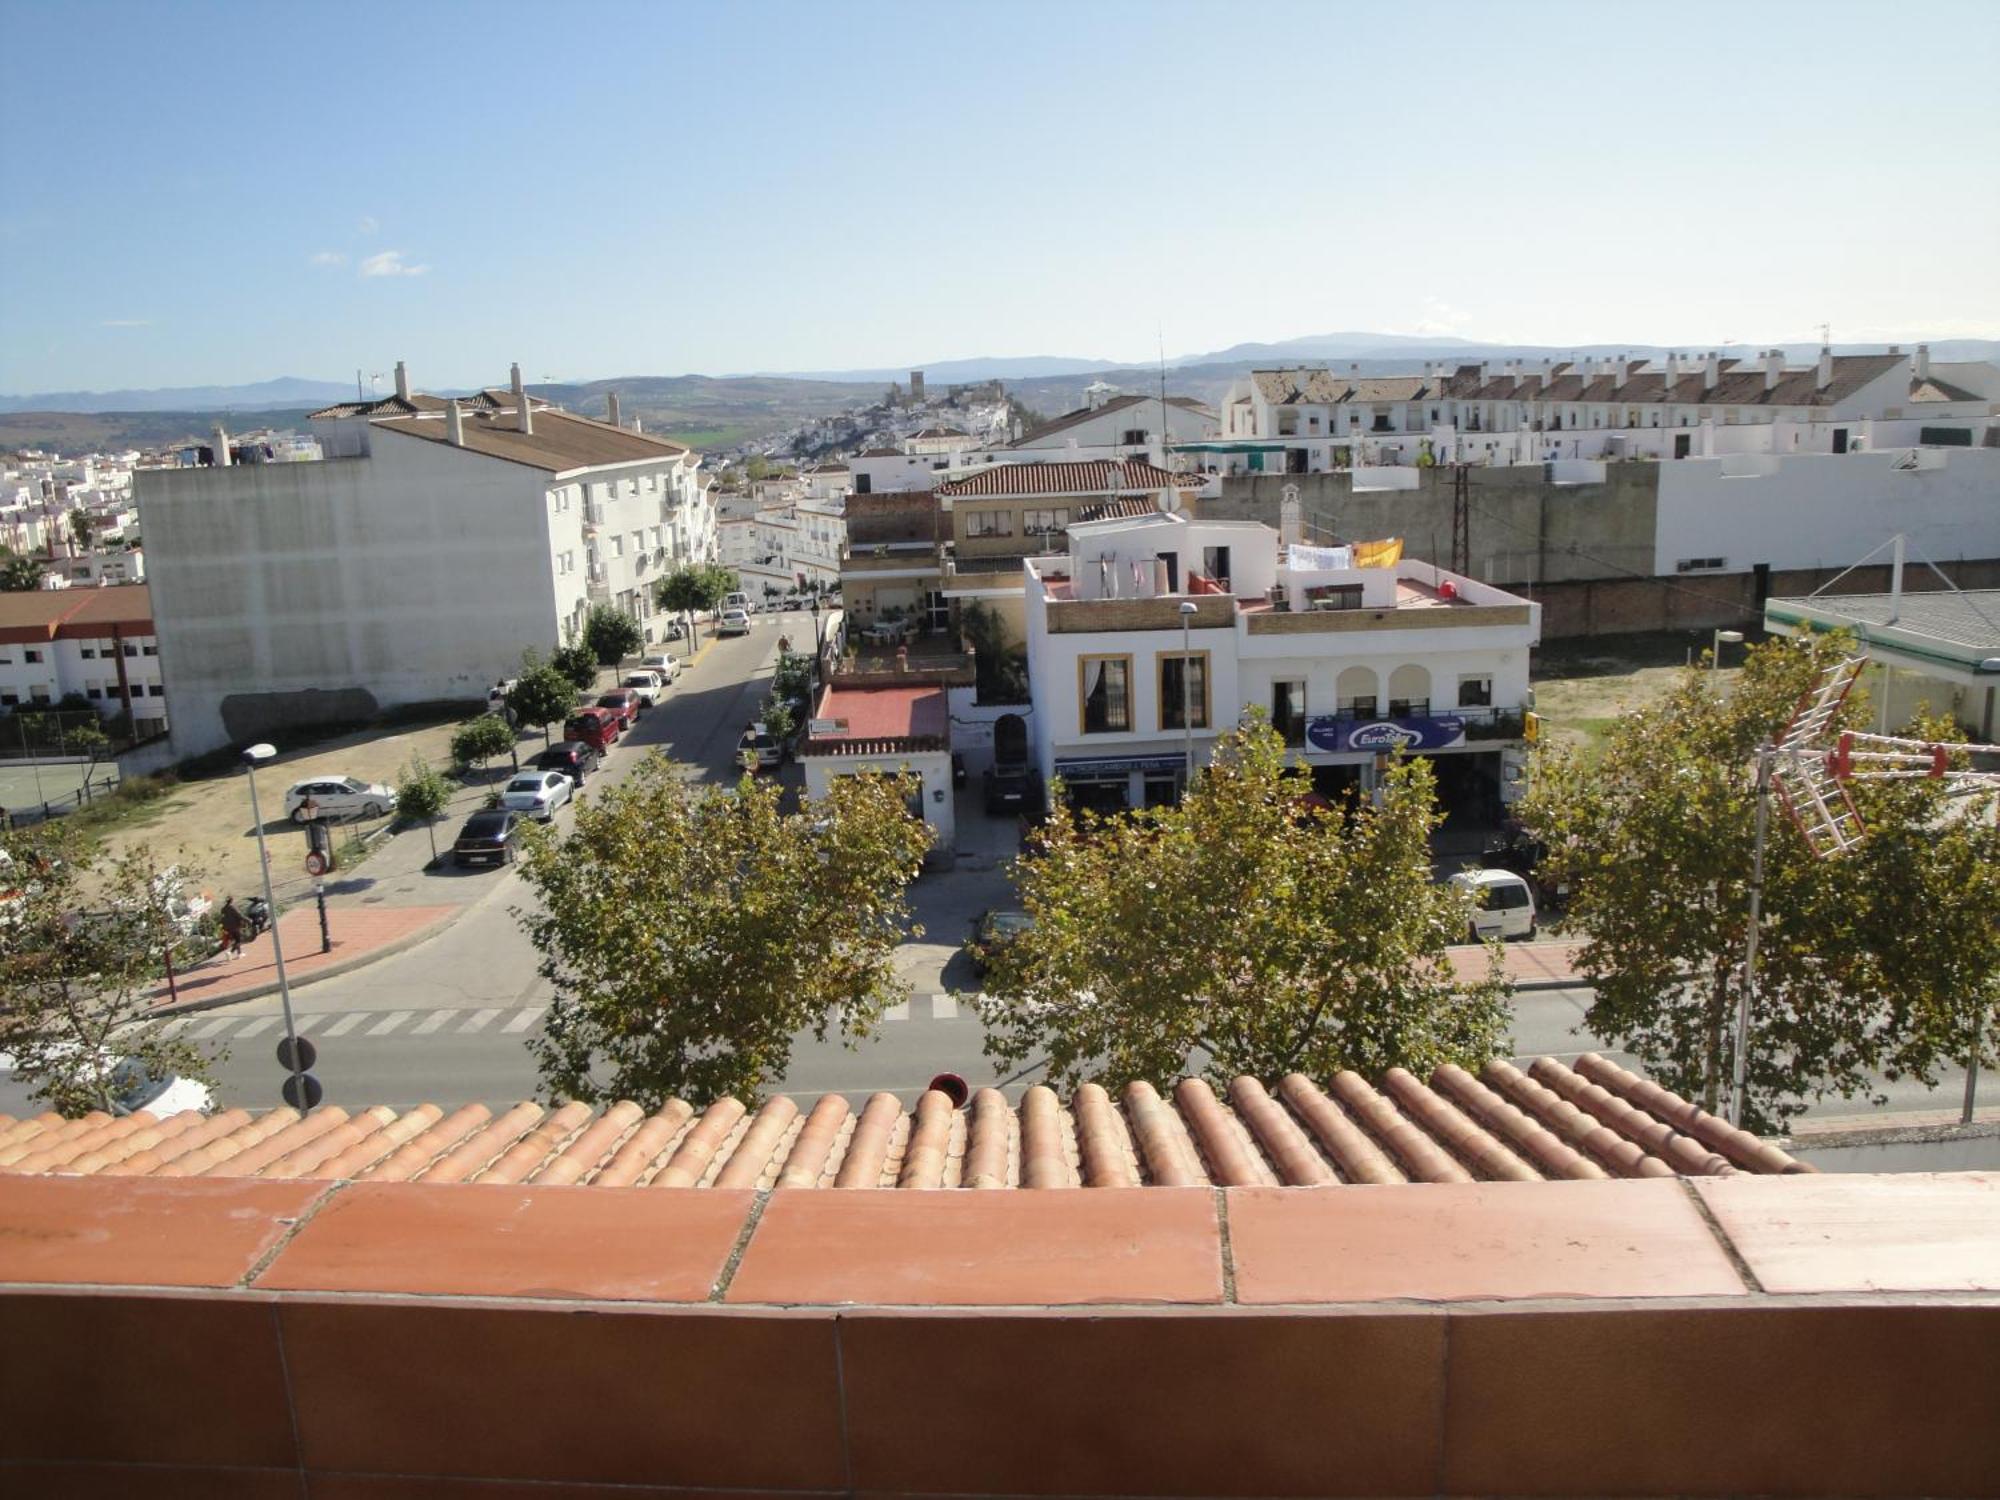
(479, 1022)
(944, 1008)
(900, 1011)
(347, 1023)
(434, 1020)
(525, 1019)
(210, 1028)
(388, 1023)
(257, 1024)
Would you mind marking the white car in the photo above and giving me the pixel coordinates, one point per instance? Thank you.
(733, 622)
(647, 685)
(667, 665)
(1504, 905)
(339, 797)
(132, 1087)
(537, 794)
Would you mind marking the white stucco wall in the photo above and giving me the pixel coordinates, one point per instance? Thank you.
(934, 767)
(1827, 511)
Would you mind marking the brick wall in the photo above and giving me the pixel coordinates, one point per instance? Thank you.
(1766, 1335)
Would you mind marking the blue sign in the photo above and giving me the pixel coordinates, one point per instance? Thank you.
(1346, 736)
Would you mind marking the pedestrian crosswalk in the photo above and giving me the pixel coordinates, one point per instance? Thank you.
(471, 1021)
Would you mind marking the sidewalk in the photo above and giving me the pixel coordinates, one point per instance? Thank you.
(360, 936)
(1529, 966)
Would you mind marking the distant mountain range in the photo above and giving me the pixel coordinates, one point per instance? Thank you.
(264, 395)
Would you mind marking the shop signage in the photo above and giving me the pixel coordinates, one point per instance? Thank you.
(1102, 767)
(1346, 736)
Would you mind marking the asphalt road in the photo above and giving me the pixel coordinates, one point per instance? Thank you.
(465, 1052)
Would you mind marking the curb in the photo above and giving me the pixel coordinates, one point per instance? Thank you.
(402, 944)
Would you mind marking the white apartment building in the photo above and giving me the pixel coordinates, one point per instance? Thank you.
(98, 643)
(1347, 662)
(828, 482)
(1114, 425)
(434, 542)
(880, 471)
(1310, 419)
(779, 548)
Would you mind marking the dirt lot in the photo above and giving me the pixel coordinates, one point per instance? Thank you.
(1584, 687)
(207, 823)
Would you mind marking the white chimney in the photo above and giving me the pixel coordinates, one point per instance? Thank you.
(1482, 372)
(1824, 378)
(524, 419)
(221, 447)
(1774, 368)
(1711, 371)
(402, 381)
(611, 405)
(1921, 366)
(454, 424)
(1548, 373)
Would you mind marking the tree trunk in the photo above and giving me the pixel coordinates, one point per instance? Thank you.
(430, 832)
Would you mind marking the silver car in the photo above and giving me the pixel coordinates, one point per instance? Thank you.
(538, 794)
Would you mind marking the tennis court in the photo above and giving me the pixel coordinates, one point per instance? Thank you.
(25, 786)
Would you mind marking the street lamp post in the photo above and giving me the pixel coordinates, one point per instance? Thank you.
(251, 759)
(1722, 638)
(1187, 692)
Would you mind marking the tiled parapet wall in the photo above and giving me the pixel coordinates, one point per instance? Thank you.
(1795, 1335)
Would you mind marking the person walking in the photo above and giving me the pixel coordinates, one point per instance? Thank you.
(232, 928)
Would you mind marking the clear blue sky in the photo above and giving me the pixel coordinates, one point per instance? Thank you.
(191, 193)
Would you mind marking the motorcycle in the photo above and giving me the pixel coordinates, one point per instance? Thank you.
(256, 916)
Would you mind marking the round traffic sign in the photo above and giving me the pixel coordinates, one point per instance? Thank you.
(313, 1092)
(308, 1054)
(316, 864)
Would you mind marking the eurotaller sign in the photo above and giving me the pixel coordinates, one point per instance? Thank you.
(1337, 736)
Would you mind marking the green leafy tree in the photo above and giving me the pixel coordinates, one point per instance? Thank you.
(540, 695)
(698, 586)
(82, 526)
(1241, 933)
(1000, 664)
(477, 741)
(779, 718)
(86, 937)
(20, 575)
(692, 931)
(1874, 962)
(611, 634)
(578, 663)
(422, 795)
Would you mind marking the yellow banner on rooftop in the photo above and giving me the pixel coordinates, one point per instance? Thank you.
(1384, 554)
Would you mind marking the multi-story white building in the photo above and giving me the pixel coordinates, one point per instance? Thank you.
(1312, 420)
(433, 543)
(778, 548)
(1113, 426)
(1347, 662)
(828, 482)
(98, 643)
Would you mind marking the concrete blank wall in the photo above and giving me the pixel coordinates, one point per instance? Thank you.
(418, 574)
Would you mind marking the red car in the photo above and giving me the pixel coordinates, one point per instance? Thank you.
(594, 726)
(625, 703)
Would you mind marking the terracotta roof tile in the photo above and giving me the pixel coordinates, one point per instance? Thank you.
(1590, 1120)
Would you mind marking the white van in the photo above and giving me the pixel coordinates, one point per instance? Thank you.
(1504, 905)
(738, 600)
